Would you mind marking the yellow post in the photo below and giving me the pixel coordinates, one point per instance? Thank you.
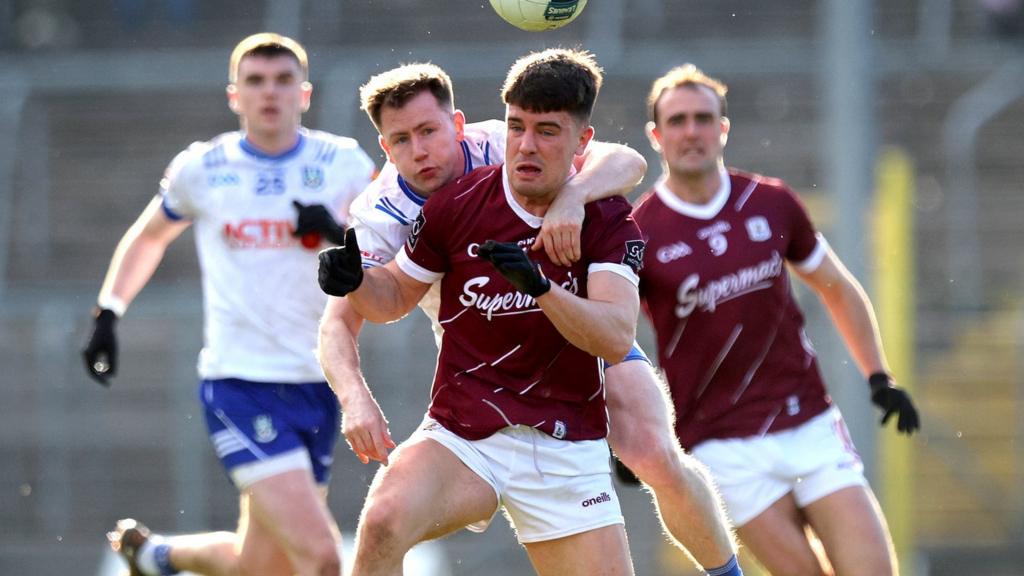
(894, 303)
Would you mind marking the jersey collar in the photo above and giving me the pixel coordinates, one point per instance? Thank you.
(257, 153)
(698, 211)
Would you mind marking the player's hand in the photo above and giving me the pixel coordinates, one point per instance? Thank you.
(317, 219)
(341, 268)
(366, 430)
(100, 353)
(893, 400)
(516, 267)
(560, 233)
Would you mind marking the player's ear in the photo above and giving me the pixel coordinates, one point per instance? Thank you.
(724, 138)
(585, 137)
(459, 119)
(384, 146)
(653, 135)
(307, 95)
(232, 92)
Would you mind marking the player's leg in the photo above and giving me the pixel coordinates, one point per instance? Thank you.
(838, 502)
(425, 492)
(600, 552)
(643, 439)
(853, 532)
(778, 540)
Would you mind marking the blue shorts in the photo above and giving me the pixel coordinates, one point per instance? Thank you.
(261, 429)
(635, 353)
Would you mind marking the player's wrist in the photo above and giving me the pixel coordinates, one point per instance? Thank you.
(112, 303)
(879, 381)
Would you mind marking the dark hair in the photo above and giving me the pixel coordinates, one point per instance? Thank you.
(555, 80)
(397, 86)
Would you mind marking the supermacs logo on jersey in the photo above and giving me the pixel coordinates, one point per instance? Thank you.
(414, 235)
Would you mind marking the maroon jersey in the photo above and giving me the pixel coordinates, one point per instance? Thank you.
(730, 335)
(502, 362)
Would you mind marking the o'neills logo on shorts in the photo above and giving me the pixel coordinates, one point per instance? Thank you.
(604, 497)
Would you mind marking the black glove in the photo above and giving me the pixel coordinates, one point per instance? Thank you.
(315, 218)
(624, 474)
(341, 268)
(893, 400)
(100, 354)
(516, 267)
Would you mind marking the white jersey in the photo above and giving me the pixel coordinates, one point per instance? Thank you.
(383, 216)
(260, 294)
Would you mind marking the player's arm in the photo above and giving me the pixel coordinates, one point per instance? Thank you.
(363, 423)
(603, 323)
(851, 311)
(604, 169)
(380, 294)
(136, 258)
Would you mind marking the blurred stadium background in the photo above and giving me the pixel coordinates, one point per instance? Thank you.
(900, 122)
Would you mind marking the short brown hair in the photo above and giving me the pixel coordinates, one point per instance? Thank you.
(395, 87)
(689, 76)
(554, 80)
(267, 45)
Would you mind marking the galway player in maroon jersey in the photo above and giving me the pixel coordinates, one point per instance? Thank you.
(429, 145)
(517, 416)
(750, 402)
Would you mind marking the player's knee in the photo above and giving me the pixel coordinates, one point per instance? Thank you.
(654, 457)
(380, 527)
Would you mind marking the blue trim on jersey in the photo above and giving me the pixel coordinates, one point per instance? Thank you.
(467, 165)
(171, 214)
(487, 153)
(253, 151)
(419, 200)
(388, 207)
(635, 353)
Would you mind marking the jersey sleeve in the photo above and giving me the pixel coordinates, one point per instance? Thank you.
(382, 222)
(424, 256)
(358, 170)
(180, 183)
(806, 246)
(614, 241)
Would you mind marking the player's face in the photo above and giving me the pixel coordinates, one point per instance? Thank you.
(422, 140)
(539, 151)
(691, 132)
(270, 95)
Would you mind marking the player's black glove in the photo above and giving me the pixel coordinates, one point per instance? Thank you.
(516, 267)
(341, 268)
(316, 218)
(893, 400)
(100, 353)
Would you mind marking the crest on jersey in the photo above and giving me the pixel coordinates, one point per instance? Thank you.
(414, 236)
(313, 177)
(560, 430)
(634, 256)
(263, 429)
(758, 229)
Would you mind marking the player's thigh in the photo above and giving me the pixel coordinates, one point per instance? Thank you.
(600, 552)
(853, 531)
(639, 412)
(777, 538)
(426, 492)
(287, 512)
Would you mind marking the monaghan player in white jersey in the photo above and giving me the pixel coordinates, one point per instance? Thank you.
(263, 201)
(428, 145)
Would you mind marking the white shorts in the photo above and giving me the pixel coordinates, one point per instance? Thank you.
(812, 461)
(549, 488)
